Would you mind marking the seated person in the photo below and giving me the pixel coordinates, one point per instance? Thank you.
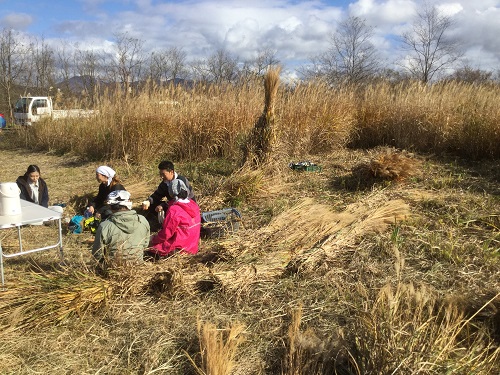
(33, 187)
(3, 123)
(108, 182)
(181, 227)
(167, 174)
(124, 235)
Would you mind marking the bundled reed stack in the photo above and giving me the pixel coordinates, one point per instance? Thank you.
(262, 139)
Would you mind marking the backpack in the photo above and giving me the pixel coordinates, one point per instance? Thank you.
(75, 225)
(91, 224)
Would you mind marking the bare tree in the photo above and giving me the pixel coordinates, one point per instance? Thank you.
(317, 68)
(257, 67)
(429, 50)
(44, 66)
(222, 67)
(199, 70)
(169, 64)
(129, 60)
(89, 65)
(15, 64)
(351, 58)
(471, 75)
(64, 66)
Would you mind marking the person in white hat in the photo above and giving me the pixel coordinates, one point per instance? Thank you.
(108, 182)
(124, 235)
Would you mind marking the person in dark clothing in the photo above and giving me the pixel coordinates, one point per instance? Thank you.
(33, 187)
(108, 182)
(158, 201)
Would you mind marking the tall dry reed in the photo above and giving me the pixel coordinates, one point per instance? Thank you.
(449, 117)
(215, 121)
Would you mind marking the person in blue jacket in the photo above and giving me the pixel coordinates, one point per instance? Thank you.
(3, 123)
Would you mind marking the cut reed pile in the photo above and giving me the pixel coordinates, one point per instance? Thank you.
(46, 298)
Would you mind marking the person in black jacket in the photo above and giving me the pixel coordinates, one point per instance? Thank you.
(158, 201)
(108, 182)
(33, 187)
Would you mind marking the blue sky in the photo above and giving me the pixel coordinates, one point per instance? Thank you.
(297, 30)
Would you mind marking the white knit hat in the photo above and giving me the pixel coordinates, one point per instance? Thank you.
(119, 197)
(176, 187)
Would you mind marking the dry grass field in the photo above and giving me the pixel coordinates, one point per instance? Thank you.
(338, 271)
(384, 262)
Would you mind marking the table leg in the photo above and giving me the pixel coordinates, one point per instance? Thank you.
(20, 240)
(60, 240)
(1, 265)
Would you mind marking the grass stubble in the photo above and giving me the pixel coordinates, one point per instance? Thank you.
(385, 262)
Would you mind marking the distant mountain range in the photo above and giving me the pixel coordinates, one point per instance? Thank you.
(77, 84)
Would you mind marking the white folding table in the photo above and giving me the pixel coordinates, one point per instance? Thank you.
(31, 213)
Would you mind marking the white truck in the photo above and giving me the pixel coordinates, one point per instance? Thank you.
(30, 109)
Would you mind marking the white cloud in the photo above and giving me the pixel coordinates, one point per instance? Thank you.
(450, 9)
(477, 30)
(18, 21)
(384, 14)
(298, 30)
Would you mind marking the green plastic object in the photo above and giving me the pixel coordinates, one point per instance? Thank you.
(305, 166)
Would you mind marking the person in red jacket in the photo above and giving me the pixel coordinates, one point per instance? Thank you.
(181, 227)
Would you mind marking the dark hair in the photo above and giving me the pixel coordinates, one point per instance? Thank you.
(183, 194)
(115, 180)
(118, 207)
(165, 164)
(32, 168)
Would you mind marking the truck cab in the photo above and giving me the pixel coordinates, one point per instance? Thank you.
(30, 109)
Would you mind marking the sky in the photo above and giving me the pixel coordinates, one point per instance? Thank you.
(296, 30)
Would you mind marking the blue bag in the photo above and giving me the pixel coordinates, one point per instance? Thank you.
(75, 224)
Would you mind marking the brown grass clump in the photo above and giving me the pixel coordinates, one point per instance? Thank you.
(427, 335)
(310, 224)
(393, 166)
(306, 224)
(218, 348)
(386, 166)
(328, 246)
(306, 353)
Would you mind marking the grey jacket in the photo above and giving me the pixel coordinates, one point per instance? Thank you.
(123, 236)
